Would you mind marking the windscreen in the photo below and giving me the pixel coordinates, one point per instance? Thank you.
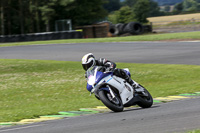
(91, 71)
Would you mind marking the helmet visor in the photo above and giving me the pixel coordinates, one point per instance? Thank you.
(87, 66)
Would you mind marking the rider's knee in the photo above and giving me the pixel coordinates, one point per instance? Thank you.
(120, 73)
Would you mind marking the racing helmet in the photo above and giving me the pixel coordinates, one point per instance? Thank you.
(88, 61)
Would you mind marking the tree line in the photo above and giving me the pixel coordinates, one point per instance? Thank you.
(139, 10)
(33, 16)
(135, 10)
(187, 6)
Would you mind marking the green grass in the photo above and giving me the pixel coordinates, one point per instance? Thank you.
(30, 88)
(194, 131)
(149, 37)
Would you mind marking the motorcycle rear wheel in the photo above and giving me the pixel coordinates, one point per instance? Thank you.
(115, 104)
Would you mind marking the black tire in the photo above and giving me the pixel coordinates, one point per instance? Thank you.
(114, 30)
(134, 28)
(114, 106)
(121, 27)
(145, 101)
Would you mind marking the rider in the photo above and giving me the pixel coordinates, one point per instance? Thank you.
(89, 60)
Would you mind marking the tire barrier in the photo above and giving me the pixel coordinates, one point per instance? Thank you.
(118, 29)
(42, 36)
(133, 28)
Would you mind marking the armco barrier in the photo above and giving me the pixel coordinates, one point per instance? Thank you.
(42, 36)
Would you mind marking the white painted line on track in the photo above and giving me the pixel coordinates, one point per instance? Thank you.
(191, 41)
(18, 128)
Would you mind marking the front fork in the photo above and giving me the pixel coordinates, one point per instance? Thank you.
(108, 89)
(111, 92)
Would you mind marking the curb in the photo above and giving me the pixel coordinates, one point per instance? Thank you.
(174, 98)
(89, 111)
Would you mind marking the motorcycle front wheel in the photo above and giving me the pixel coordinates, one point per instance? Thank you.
(146, 100)
(114, 104)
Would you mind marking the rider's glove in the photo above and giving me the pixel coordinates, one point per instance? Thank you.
(109, 70)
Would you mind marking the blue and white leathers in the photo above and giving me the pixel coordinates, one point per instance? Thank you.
(98, 80)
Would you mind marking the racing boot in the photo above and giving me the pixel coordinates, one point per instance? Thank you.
(131, 82)
(121, 73)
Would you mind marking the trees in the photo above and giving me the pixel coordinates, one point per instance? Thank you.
(154, 9)
(47, 12)
(29, 16)
(50, 9)
(21, 15)
(178, 8)
(123, 15)
(2, 17)
(15, 16)
(141, 10)
(84, 12)
(112, 5)
(191, 5)
(136, 10)
(129, 2)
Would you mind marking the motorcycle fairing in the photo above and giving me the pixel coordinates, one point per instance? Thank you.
(94, 76)
(125, 90)
(97, 79)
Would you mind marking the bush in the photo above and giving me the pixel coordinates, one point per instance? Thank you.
(124, 15)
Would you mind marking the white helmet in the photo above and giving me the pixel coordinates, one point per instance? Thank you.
(88, 61)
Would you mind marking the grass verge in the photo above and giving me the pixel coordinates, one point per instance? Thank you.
(194, 131)
(30, 88)
(149, 37)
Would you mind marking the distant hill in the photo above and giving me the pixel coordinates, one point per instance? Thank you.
(167, 2)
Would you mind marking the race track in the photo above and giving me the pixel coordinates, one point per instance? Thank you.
(176, 116)
(135, 52)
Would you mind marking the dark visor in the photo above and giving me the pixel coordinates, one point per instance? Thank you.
(86, 66)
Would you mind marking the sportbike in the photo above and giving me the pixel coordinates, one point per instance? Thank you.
(114, 92)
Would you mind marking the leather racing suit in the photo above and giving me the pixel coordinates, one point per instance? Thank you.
(111, 66)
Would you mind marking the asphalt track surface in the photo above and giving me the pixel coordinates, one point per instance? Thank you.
(136, 52)
(176, 116)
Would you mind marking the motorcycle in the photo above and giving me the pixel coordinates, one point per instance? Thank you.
(114, 92)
